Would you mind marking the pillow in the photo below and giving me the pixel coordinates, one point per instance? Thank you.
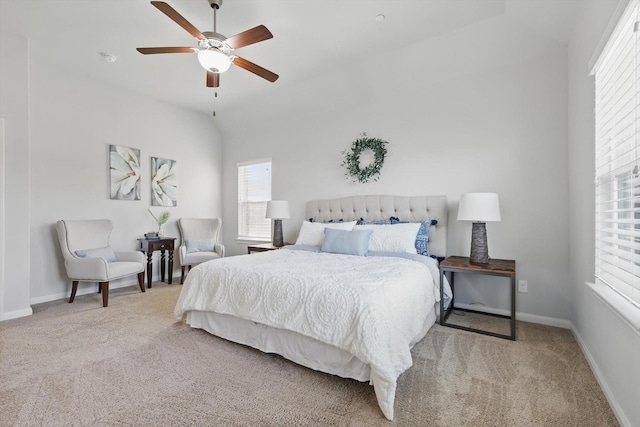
(200, 245)
(354, 242)
(392, 237)
(105, 253)
(396, 220)
(422, 238)
(312, 233)
(361, 221)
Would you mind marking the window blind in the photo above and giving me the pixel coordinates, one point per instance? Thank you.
(617, 174)
(254, 191)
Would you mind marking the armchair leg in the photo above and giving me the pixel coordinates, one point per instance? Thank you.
(182, 276)
(74, 288)
(105, 293)
(141, 281)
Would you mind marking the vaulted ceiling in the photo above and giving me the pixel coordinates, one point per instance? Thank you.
(311, 38)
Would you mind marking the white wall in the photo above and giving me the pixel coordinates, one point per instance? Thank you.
(71, 122)
(482, 109)
(14, 74)
(611, 346)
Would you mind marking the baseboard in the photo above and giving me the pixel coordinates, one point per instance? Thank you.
(525, 317)
(87, 288)
(617, 410)
(16, 314)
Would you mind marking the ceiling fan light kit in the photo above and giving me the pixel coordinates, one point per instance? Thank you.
(213, 60)
(214, 50)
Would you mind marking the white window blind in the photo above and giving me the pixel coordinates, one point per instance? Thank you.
(254, 191)
(617, 182)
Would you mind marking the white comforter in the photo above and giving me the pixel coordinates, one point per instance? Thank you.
(373, 307)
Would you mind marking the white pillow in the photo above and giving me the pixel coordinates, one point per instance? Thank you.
(105, 253)
(200, 245)
(392, 237)
(312, 233)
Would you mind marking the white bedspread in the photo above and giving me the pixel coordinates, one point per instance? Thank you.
(372, 307)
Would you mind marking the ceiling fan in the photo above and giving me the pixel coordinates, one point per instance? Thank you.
(215, 51)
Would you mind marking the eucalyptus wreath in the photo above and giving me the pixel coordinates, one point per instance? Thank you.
(352, 159)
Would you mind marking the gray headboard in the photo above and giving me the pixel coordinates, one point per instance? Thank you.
(375, 208)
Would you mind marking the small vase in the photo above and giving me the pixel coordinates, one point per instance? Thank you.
(160, 231)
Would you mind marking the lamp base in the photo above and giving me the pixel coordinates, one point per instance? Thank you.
(277, 233)
(479, 248)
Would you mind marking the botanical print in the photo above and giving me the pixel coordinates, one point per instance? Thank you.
(124, 163)
(164, 182)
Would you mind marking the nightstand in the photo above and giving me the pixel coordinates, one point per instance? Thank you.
(263, 247)
(495, 267)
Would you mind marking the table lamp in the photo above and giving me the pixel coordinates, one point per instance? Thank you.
(277, 210)
(479, 208)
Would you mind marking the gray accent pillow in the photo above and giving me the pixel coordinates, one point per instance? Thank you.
(346, 242)
(200, 245)
(105, 253)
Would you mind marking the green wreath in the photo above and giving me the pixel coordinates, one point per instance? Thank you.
(352, 159)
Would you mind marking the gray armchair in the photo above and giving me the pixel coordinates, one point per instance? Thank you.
(200, 242)
(89, 258)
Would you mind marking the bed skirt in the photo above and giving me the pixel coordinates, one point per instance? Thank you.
(293, 346)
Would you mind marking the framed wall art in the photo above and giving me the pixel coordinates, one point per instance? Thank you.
(164, 182)
(124, 173)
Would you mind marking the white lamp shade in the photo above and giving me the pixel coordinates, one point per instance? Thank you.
(277, 209)
(214, 60)
(479, 207)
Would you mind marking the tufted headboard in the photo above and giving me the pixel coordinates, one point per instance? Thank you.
(376, 208)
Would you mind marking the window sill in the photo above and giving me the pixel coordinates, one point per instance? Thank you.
(628, 312)
(244, 240)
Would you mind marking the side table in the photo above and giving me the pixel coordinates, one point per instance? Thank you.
(263, 247)
(162, 244)
(495, 267)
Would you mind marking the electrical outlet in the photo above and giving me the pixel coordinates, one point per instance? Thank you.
(523, 286)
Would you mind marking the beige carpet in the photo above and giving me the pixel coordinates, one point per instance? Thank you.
(133, 364)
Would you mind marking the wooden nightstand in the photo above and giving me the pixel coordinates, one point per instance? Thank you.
(495, 267)
(263, 247)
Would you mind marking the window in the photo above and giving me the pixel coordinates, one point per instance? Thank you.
(254, 191)
(616, 164)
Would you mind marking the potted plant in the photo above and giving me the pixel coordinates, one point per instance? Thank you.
(161, 220)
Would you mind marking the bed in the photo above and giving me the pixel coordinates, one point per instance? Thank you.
(347, 315)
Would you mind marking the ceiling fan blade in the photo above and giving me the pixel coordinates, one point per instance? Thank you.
(179, 19)
(213, 79)
(152, 50)
(255, 69)
(245, 38)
